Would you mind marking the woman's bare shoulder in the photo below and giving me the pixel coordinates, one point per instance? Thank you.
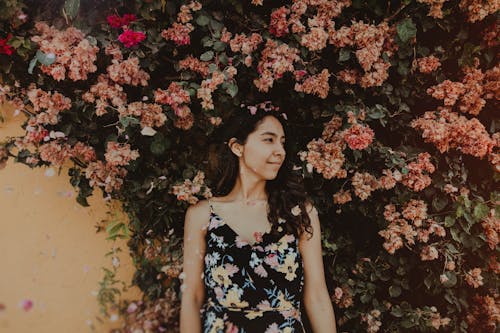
(198, 213)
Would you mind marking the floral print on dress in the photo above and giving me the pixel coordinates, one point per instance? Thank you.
(251, 288)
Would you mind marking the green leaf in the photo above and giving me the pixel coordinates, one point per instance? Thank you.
(216, 25)
(455, 234)
(159, 145)
(232, 89)
(219, 46)
(394, 291)
(202, 20)
(396, 311)
(439, 203)
(449, 221)
(480, 210)
(32, 65)
(344, 54)
(45, 59)
(365, 298)
(452, 279)
(207, 56)
(71, 8)
(406, 29)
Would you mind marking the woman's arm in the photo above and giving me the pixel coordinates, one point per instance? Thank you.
(316, 298)
(193, 288)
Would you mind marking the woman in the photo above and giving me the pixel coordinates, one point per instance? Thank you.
(253, 254)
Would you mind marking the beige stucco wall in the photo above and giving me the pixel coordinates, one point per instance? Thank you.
(50, 251)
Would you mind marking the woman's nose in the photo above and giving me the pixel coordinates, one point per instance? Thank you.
(280, 150)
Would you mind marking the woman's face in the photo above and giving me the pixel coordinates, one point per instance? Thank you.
(264, 152)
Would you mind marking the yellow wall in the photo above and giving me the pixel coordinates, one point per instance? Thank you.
(50, 252)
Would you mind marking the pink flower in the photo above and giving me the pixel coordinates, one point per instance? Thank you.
(131, 38)
(26, 304)
(279, 24)
(358, 137)
(178, 33)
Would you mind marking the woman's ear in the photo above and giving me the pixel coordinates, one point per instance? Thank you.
(235, 147)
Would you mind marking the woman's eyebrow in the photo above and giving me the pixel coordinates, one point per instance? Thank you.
(272, 134)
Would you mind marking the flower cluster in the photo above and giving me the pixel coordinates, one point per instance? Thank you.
(190, 188)
(118, 154)
(472, 92)
(436, 7)
(208, 86)
(276, 59)
(51, 103)
(447, 129)
(55, 153)
(331, 127)
(491, 229)
(343, 296)
(84, 152)
(151, 114)
(315, 84)
(358, 137)
(195, 65)
(364, 184)
(179, 31)
(108, 177)
(245, 45)
(416, 179)
(484, 314)
(410, 223)
(320, 25)
(474, 278)
(74, 54)
(477, 9)
(103, 92)
(389, 178)
(436, 320)
(178, 99)
(371, 41)
(342, 197)
(279, 24)
(372, 321)
(428, 64)
(490, 35)
(325, 157)
(128, 72)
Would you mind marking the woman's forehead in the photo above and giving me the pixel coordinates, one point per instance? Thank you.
(270, 125)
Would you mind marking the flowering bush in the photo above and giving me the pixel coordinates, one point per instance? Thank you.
(394, 102)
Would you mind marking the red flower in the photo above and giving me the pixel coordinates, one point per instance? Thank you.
(128, 18)
(4, 47)
(116, 21)
(130, 38)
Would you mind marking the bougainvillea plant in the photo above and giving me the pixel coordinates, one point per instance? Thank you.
(396, 135)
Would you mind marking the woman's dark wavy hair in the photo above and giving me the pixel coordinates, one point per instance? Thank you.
(284, 192)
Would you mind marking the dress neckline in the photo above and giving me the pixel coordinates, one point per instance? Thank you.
(236, 234)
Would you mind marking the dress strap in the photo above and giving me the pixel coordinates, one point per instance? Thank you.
(211, 207)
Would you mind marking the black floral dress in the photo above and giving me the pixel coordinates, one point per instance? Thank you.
(251, 288)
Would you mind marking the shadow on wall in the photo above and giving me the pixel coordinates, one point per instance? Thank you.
(51, 257)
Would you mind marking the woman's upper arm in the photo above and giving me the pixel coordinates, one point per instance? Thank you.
(195, 223)
(312, 255)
